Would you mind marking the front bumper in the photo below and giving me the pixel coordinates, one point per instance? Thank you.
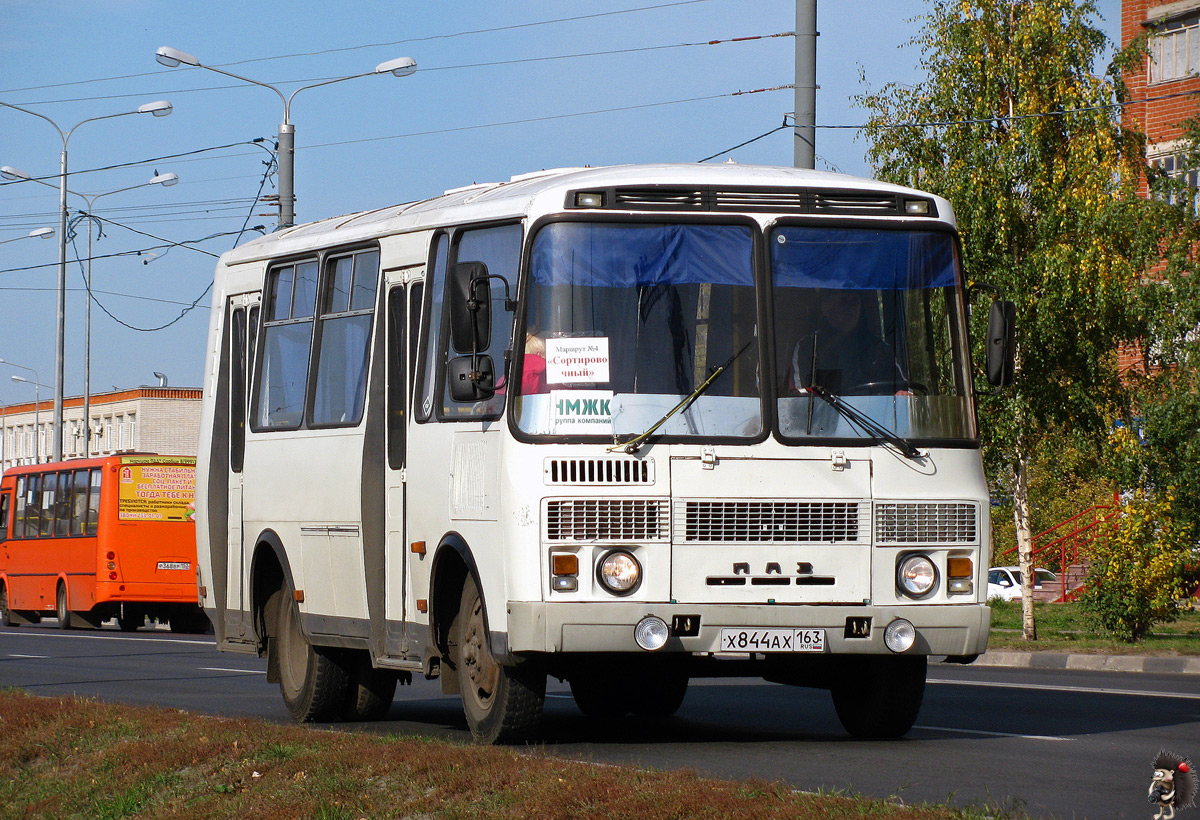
(537, 627)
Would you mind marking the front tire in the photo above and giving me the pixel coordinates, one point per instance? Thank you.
(503, 704)
(312, 679)
(879, 697)
(6, 618)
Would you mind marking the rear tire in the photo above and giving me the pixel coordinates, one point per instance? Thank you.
(369, 691)
(312, 679)
(129, 618)
(503, 704)
(62, 608)
(879, 697)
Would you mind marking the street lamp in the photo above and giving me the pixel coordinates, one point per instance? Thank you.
(159, 108)
(37, 412)
(286, 148)
(165, 180)
(36, 233)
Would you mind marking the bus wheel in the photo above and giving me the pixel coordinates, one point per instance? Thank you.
(130, 618)
(601, 695)
(6, 618)
(370, 691)
(659, 693)
(879, 697)
(503, 704)
(61, 610)
(311, 678)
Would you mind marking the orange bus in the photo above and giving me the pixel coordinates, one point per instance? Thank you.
(91, 539)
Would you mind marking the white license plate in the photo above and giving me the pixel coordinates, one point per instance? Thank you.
(174, 565)
(772, 640)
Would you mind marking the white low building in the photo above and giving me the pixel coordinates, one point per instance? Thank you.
(163, 420)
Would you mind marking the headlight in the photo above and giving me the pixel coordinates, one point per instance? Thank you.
(917, 576)
(619, 573)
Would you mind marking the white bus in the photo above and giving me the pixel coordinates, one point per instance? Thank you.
(735, 435)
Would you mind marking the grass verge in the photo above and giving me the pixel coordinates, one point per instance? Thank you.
(1065, 628)
(77, 758)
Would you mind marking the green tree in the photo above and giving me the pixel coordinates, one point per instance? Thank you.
(1012, 126)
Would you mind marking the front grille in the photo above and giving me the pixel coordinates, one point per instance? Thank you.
(582, 471)
(926, 523)
(824, 522)
(624, 519)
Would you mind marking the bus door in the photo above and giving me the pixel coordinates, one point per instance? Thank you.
(405, 289)
(243, 316)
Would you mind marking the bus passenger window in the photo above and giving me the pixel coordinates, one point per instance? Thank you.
(344, 334)
(286, 338)
(48, 500)
(4, 516)
(79, 501)
(62, 510)
(18, 525)
(93, 508)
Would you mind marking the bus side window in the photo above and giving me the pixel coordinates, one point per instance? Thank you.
(346, 311)
(79, 501)
(4, 505)
(19, 514)
(93, 508)
(500, 249)
(282, 381)
(62, 509)
(237, 390)
(431, 331)
(49, 494)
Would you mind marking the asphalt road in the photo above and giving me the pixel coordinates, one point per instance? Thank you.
(1057, 743)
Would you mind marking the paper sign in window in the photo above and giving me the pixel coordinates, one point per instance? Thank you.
(577, 361)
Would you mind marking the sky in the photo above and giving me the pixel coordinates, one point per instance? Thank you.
(501, 89)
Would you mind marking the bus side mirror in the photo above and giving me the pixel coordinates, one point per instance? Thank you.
(1001, 343)
(472, 378)
(470, 307)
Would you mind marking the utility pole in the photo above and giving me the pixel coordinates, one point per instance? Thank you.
(804, 116)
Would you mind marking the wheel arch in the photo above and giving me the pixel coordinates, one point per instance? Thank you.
(453, 562)
(269, 569)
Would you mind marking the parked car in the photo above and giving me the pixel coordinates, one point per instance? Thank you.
(1005, 583)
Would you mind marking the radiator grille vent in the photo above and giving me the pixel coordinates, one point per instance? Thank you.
(624, 519)
(772, 200)
(701, 522)
(598, 471)
(926, 523)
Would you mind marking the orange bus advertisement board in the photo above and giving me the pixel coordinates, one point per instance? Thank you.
(154, 488)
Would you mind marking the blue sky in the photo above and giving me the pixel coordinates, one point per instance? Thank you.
(485, 104)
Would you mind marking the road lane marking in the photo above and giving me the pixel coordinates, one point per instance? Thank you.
(989, 734)
(1090, 690)
(225, 669)
(92, 636)
(41, 657)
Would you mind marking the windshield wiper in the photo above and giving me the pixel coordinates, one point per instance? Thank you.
(867, 423)
(635, 443)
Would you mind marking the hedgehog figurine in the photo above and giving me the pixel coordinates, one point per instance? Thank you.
(1173, 785)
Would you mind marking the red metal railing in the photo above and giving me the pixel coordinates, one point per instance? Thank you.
(1089, 526)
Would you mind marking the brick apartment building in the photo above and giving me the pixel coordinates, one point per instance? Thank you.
(164, 420)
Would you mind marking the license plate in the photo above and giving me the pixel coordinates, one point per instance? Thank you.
(174, 565)
(772, 640)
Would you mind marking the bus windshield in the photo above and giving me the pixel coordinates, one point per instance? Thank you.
(873, 317)
(626, 320)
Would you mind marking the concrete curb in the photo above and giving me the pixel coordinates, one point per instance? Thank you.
(1092, 663)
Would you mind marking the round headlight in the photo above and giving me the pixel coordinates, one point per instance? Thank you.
(619, 572)
(917, 576)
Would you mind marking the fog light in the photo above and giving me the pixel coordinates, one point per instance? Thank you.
(619, 572)
(651, 633)
(900, 635)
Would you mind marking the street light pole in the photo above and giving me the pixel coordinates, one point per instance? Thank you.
(37, 402)
(159, 108)
(286, 142)
(36, 233)
(165, 180)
